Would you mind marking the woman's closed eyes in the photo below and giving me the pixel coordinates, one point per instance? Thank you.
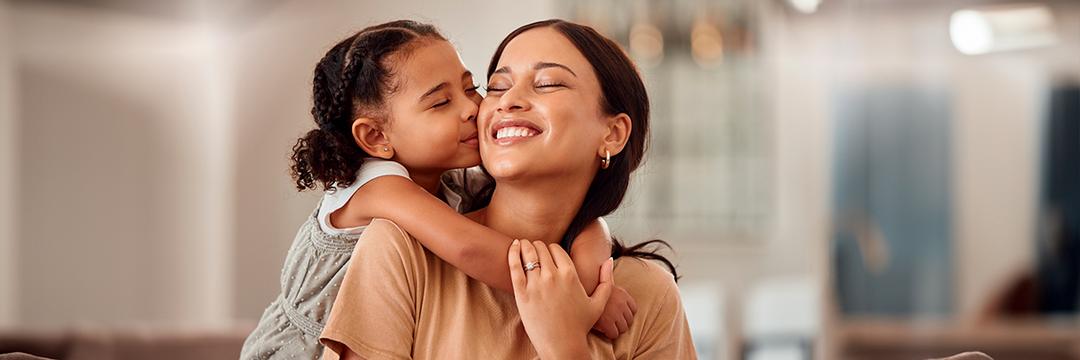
(546, 85)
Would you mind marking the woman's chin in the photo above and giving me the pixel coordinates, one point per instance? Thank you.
(505, 169)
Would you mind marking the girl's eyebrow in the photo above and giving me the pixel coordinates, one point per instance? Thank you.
(441, 86)
(433, 90)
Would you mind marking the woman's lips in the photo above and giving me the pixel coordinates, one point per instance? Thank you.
(508, 132)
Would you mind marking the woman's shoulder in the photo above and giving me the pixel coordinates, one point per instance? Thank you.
(634, 273)
(650, 284)
(384, 235)
(384, 228)
(660, 329)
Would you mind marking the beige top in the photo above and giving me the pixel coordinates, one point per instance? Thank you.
(398, 301)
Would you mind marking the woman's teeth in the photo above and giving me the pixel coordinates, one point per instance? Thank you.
(515, 131)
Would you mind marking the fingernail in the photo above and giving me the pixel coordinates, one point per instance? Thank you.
(515, 241)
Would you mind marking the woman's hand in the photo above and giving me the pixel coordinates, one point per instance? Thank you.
(556, 311)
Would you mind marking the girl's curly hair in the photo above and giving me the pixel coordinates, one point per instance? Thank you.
(353, 79)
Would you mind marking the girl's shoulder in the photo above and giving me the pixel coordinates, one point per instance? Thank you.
(337, 197)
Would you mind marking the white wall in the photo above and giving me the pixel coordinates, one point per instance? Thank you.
(125, 162)
(8, 157)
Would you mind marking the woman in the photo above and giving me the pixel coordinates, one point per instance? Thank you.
(564, 125)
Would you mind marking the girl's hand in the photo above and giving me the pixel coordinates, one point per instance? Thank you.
(556, 311)
(617, 315)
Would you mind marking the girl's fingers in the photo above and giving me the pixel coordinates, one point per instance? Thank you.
(529, 256)
(603, 290)
(517, 273)
(628, 316)
(562, 259)
(609, 329)
(547, 265)
(621, 324)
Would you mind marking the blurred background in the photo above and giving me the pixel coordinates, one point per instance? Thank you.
(840, 179)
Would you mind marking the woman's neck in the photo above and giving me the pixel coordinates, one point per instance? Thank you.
(534, 211)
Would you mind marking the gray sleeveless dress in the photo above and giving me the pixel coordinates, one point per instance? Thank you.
(316, 263)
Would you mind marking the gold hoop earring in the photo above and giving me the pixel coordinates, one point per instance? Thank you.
(606, 161)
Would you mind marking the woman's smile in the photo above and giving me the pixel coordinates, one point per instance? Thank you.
(509, 132)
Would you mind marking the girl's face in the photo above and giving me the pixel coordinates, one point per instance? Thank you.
(432, 123)
(542, 115)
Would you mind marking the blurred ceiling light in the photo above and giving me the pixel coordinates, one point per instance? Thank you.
(706, 43)
(1001, 28)
(805, 6)
(646, 43)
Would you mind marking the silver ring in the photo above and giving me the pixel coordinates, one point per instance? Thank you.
(532, 266)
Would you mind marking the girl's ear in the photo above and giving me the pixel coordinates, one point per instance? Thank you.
(618, 133)
(369, 135)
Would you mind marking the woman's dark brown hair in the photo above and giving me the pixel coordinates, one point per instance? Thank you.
(623, 92)
(353, 79)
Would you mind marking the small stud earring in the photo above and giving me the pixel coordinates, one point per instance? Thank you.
(385, 148)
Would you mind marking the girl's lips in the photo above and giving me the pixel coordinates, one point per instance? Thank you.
(472, 140)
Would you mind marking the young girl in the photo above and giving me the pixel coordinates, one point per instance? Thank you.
(396, 115)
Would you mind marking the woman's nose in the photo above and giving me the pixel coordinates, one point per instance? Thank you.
(513, 100)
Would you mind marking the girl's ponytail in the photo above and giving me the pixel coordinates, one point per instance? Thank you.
(323, 157)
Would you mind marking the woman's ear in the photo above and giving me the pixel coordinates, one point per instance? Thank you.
(369, 135)
(618, 133)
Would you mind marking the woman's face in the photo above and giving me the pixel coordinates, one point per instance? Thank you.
(542, 114)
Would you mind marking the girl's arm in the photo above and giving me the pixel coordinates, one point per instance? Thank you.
(476, 250)
(590, 249)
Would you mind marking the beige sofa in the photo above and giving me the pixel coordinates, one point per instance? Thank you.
(124, 344)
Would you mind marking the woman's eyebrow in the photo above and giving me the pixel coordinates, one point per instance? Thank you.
(545, 65)
(538, 66)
